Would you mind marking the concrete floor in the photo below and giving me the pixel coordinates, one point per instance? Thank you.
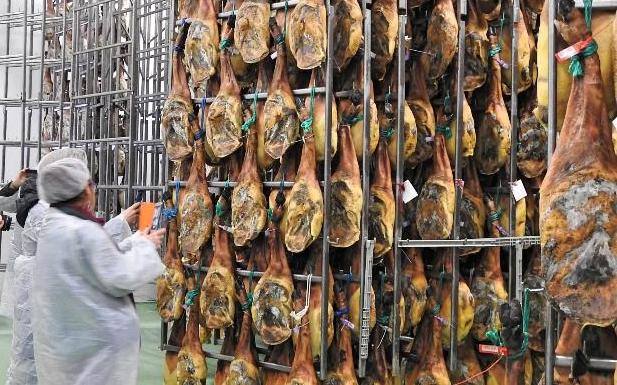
(150, 360)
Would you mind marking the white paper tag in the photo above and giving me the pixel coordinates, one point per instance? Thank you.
(518, 190)
(615, 123)
(274, 55)
(408, 192)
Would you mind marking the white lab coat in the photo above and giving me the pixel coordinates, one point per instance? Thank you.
(85, 327)
(7, 293)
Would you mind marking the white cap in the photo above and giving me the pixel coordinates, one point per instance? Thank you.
(56, 155)
(63, 180)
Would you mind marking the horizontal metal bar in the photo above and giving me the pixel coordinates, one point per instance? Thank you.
(233, 184)
(598, 4)
(273, 6)
(120, 139)
(297, 277)
(92, 5)
(479, 242)
(109, 46)
(98, 94)
(298, 92)
(594, 363)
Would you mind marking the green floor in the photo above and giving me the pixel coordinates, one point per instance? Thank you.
(151, 357)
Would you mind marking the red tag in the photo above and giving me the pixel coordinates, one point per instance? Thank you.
(492, 349)
(566, 53)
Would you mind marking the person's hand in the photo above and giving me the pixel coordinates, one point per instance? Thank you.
(1, 222)
(131, 215)
(19, 179)
(155, 236)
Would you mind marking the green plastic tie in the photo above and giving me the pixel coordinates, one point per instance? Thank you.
(435, 310)
(225, 43)
(250, 121)
(494, 337)
(249, 302)
(587, 9)
(270, 213)
(445, 131)
(576, 62)
(388, 132)
(189, 300)
(494, 50)
(494, 216)
(308, 123)
(383, 320)
(218, 209)
(352, 119)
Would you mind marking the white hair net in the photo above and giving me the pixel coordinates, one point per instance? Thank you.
(63, 180)
(62, 153)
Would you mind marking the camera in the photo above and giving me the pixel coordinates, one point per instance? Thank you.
(7, 222)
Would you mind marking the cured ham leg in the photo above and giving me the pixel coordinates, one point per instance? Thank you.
(476, 48)
(248, 202)
(279, 354)
(218, 304)
(343, 372)
(304, 206)
(414, 286)
(264, 160)
(195, 211)
(171, 285)
(381, 209)
(383, 35)
(378, 367)
(302, 370)
(314, 312)
(494, 147)
(354, 293)
(537, 302)
(436, 201)
(468, 140)
(243, 369)
(192, 367)
(431, 368)
(526, 50)
(442, 41)
(228, 348)
(252, 32)
(488, 287)
(578, 197)
(473, 211)
(245, 73)
(307, 33)
(468, 365)
(346, 209)
(287, 171)
(533, 142)
(272, 302)
(423, 113)
(202, 46)
(178, 115)
(281, 118)
(319, 118)
(348, 30)
(224, 119)
(170, 366)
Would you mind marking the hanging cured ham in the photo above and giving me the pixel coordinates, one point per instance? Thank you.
(602, 24)
(578, 197)
(354, 293)
(170, 366)
(383, 35)
(488, 287)
(302, 370)
(346, 204)
(264, 160)
(537, 301)
(442, 39)
(281, 118)
(272, 302)
(178, 115)
(319, 117)
(476, 48)
(414, 287)
(248, 202)
(381, 207)
(195, 211)
(343, 371)
(243, 368)
(348, 30)
(351, 112)
(281, 355)
(378, 370)
(468, 138)
(533, 142)
(228, 349)
(202, 45)
(489, 9)
(472, 210)
(171, 285)
(252, 31)
(526, 52)
(304, 206)
(468, 370)
(520, 215)
(218, 304)
(192, 367)
(307, 33)
(388, 125)
(493, 148)
(286, 172)
(245, 73)
(423, 113)
(516, 373)
(431, 368)
(315, 308)
(224, 119)
(436, 201)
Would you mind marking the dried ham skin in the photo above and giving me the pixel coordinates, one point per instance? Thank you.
(476, 49)
(442, 39)
(381, 207)
(281, 122)
(423, 114)
(192, 368)
(414, 287)
(432, 368)
(348, 30)
(383, 35)
(252, 31)
(468, 140)
(176, 118)
(410, 135)
(578, 197)
(196, 224)
(202, 52)
(307, 33)
(468, 365)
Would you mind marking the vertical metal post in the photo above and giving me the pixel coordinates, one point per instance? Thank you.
(325, 265)
(23, 87)
(400, 169)
(134, 71)
(512, 282)
(366, 184)
(549, 352)
(42, 77)
(6, 90)
(460, 96)
(63, 76)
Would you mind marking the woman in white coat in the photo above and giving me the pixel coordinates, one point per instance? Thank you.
(85, 326)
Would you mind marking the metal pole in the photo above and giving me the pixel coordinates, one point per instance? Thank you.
(549, 352)
(6, 90)
(134, 70)
(325, 264)
(366, 185)
(460, 95)
(42, 77)
(23, 88)
(63, 78)
(400, 170)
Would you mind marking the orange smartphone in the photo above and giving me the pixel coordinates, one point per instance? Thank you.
(146, 215)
